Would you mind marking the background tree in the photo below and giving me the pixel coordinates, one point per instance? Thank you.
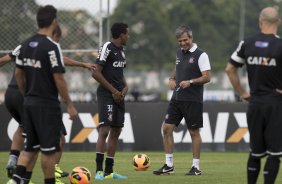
(151, 43)
(17, 20)
(216, 26)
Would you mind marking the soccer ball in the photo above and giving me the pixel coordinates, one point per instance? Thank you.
(141, 162)
(80, 175)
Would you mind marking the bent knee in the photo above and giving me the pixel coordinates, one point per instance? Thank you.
(168, 129)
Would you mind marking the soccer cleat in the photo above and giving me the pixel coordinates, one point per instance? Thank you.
(10, 181)
(59, 181)
(99, 175)
(164, 170)
(59, 173)
(10, 170)
(194, 172)
(115, 175)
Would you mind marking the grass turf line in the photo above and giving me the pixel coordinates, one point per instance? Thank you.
(217, 168)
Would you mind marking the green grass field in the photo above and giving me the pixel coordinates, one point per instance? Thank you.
(217, 168)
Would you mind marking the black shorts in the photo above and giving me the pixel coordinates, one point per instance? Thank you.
(110, 113)
(63, 131)
(14, 104)
(192, 112)
(43, 126)
(265, 128)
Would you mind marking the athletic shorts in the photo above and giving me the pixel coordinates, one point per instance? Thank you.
(192, 112)
(43, 126)
(265, 128)
(110, 113)
(63, 131)
(14, 104)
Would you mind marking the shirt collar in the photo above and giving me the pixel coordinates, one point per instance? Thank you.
(193, 48)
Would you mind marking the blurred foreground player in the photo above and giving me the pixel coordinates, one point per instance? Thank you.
(262, 55)
(40, 78)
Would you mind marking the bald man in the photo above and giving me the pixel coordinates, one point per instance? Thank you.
(262, 55)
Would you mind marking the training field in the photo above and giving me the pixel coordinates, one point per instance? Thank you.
(217, 168)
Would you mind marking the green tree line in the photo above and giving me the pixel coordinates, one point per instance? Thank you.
(217, 27)
(215, 24)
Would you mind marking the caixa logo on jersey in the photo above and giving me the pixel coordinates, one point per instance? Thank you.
(119, 64)
(227, 128)
(84, 129)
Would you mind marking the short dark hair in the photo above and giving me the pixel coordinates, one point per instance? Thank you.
(46, 15)
(118, 28)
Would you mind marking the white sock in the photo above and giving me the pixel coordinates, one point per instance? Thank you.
(12, 160)
(196, 163)
(169, 160)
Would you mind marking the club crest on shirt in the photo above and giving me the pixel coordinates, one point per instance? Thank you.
(177, 61)
(33, 44)
(261, 44)
(191, 60)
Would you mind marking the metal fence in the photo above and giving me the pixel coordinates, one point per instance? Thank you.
(81, 37)
(80, 41)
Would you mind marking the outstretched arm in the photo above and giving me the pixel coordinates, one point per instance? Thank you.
(5, 59)
(70, 62)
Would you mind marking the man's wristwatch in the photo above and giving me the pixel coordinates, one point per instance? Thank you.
(191, 81)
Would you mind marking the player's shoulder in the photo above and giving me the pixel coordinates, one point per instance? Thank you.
(39, 40)
(252, 38)
(51, 42)
(199, 51)
(107, 45)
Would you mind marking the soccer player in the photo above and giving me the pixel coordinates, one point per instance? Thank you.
(14, 102)
(40, 78)
(261, 53)
(191, 72)
(110, 92)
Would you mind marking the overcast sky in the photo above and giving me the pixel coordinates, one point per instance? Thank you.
(91, 6)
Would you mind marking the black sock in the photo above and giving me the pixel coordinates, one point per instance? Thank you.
(99, 161)
(27, 177)
(253, 168)
(19, 173)
(109, 165)
(271, 169)
(49, 181)
(15, 152)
